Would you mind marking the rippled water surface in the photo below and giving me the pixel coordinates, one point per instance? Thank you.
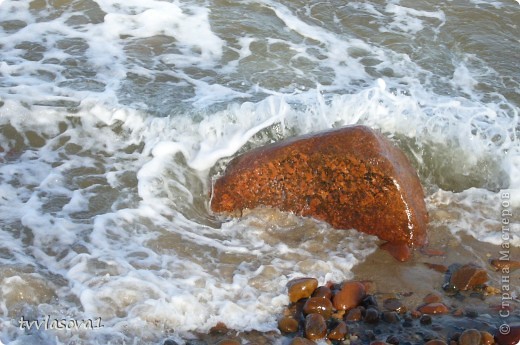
(115, 116)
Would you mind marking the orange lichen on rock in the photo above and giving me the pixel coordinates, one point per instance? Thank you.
(351, 177)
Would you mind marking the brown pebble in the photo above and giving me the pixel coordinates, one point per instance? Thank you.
(415, 314)
(323, 292)
(318, 305)
(432, 298)
(394, 304)
(400, 251)
(437, 267)
(379, 342)
(339, 332)
(302, 341)
(486, 338)
(349, 296)
(315, 327)
(288, 325)
(470, 337)
(458, 313)
(354, 315)
(434, 308)
(435, 342)
(506, 266)
(219, 328)
(508, 334)
(491, 290)
(467, 277)
(301, 288)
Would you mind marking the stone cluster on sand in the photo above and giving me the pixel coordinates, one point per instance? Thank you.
(352, 177)
(349, 312)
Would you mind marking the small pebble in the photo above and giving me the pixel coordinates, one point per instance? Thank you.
(288, 324)
(318, 305)
(354, 315)
(437, 267)
(301, 288)
(390, 317)
(458, 313)
(471, 313)
(432, 298)
(219, 328)
(315, 327)
(350, 295)
(415, 314)
(302, 341)
(339, 332)
(371, 316)
(323, 292)
(486, 338)
(394, 340)
(369, 301)
(506, 266)
(434, 308)
(426, 320)
(394, 304)
(470, 337)
(467, 277)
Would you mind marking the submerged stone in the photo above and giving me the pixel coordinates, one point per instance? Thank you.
(351, 177)
(467, 277)
(315, 327)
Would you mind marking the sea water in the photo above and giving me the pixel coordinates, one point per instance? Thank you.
(115, 116)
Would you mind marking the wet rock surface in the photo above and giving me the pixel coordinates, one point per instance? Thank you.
(468, 277)
(351, 177)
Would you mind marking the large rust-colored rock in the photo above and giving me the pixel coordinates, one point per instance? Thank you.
(351, 177)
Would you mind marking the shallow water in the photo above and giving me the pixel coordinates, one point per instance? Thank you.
(115, 116)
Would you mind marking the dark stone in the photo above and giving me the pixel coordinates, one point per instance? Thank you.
(369, 301)
(351, 177)
(371, 316)
(426, 320)
(170, 342)
(392, 339)
(390, 317)
(355, 314)
(394, 304)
